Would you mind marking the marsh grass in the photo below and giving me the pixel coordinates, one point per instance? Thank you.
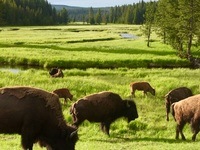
(149, 131)
(84, 47)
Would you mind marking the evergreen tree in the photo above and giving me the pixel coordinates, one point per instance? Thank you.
(181, 23)
(98, 17)
(91, 16)
(149, 20)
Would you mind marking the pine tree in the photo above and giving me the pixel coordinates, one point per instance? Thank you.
(149, 20)
(91, 16)
(98, 17)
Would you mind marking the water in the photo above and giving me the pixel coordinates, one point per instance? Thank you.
(128, 36)
(13, 70)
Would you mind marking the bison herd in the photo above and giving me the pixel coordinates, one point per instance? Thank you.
(37, 115)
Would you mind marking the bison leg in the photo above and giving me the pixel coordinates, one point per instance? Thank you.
(65, 101)
(27, 142)
(105, 127)
(145, 93)
(179, 129)
(167, 111)
(195, 129)
(102, 126)
(133, 94)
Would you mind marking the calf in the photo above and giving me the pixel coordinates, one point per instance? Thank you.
(63, 93)
(141, 86)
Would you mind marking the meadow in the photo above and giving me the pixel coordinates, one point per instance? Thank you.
(82, 51)
(84, 47)
(149, 131)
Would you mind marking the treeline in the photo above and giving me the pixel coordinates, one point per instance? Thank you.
(40, 12)
(125, 14)
(30, 12)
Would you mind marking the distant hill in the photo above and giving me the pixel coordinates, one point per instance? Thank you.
(78, 13)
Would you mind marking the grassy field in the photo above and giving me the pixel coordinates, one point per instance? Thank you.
(81, 51)
(149, 131)
(83, 47)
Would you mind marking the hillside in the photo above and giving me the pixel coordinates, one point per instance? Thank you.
(77, 13)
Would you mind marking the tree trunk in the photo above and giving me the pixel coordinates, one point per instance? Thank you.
(148, 36)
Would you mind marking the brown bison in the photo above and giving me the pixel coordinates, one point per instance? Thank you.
(175, 96)
(104, 107)
(187, 111)
(141, 86)
(37, 116)
(56, 72)
(63, 93)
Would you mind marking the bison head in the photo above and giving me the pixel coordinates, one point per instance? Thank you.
(131, 110)
(53, 71)
(67, 140)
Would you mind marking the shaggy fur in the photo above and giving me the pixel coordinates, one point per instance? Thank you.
(141, 86)
(104, 107)
(187, 111)
(37, 116)
(176, 95)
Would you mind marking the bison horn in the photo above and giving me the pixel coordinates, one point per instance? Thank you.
(73, 134)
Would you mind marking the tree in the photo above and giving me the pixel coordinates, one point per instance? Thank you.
(149, 20)
(98, 17)
(188, 22)
(91, 16)
(180, 23)
(64, 16)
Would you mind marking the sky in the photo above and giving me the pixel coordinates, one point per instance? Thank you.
(94, 3)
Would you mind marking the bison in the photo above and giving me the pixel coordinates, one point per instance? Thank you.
(176, 95)
(141, 86)
(56, 72)
(104, 107)
(63, 93)
(187, 111)
(37, 116)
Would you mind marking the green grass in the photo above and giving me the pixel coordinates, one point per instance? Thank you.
(84, 47)
(149, 131)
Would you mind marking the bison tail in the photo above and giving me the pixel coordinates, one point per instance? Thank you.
(173, 112)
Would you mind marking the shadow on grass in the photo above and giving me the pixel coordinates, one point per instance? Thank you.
(115, 51)
(144, 139)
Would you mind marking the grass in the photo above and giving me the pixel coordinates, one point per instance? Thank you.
(84, 47)
(81, 51)
(149, 131)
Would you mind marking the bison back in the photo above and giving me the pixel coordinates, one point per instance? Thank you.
(24, 105)
(179, 94)
(187, 109)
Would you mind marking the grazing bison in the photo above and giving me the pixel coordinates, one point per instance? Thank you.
(175, 96)
(187, 111)
(63, 93)
(141, 86)
(37, 116)
(104, 107)
(56, 72)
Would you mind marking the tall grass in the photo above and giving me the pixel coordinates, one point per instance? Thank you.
(149, 131)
